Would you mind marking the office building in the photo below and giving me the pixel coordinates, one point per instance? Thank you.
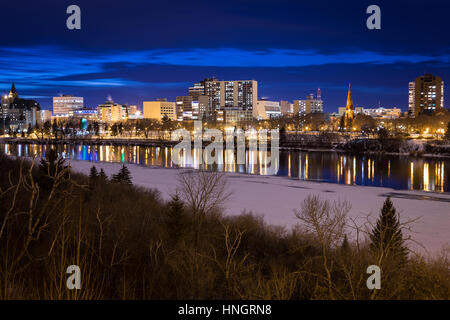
(287, 108)
(192, 107)
(383, 113)
(266, 110)
(85, 113)
(197, 90)
(310, 105)
(234, 115)
(66, 103)
(111, 112)
(160, 109)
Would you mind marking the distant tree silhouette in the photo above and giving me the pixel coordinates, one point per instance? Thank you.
(341, 124)
(176, 218)
(93, 177)
(447, 133)
(102, 177)
(122, 177)
(93, 173)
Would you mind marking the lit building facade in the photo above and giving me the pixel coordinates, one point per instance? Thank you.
(356, 110)
(234, 115)
(223, 95)
(160, 109)
(18, 113)
(312, 104)
(64, 104)
(266, 110)
(287, 108)
(425, 95)
(383, 113)
(192, 107)
(112, 112)
(85, 113)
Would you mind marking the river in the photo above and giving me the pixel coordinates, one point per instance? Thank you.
(397, 172)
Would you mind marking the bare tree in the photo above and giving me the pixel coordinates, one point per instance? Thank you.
(203, 192)
(326, 221)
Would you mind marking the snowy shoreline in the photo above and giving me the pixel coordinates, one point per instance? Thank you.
(275, 198)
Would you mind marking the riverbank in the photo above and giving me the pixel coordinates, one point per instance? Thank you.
(367, 147)
(275, 198)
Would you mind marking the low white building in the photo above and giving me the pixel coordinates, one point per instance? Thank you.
(266, 110)
(384, 113)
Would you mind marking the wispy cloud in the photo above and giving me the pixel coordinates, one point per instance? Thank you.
(55, 66)
(232, 57)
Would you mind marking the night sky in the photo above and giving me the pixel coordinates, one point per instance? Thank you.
(141, 50)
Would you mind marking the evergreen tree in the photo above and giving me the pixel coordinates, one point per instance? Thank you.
(122, 177)
(94, 173)
(93, 177)
(102, 176)
(341, 124)
(176, 218)
(447, 133)
(386, 238)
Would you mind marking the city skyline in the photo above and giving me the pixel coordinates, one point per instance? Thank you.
(290, 49)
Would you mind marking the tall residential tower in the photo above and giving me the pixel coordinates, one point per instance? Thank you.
(425, 95)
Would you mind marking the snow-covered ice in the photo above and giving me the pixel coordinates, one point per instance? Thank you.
(275, 198)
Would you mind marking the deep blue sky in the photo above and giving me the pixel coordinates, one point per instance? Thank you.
(140, 50)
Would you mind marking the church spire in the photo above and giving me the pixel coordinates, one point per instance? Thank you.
(349, 98)
(13, 93)
(348, 115)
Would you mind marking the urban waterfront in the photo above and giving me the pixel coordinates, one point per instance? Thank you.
(397, 172)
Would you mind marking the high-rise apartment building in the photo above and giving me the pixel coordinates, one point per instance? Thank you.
(223, 95)
(64, 104)
(425, 95)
